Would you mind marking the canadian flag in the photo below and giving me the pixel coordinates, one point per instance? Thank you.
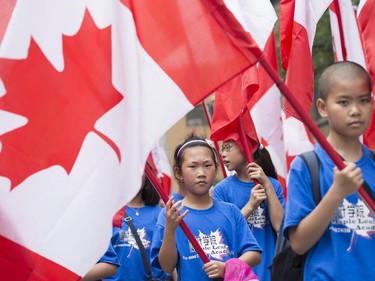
(265, 105)
(298, 20)
(86, 89)
(160, 160)
(366, 23)
(346, 39)
(231, 100)
(228, 117)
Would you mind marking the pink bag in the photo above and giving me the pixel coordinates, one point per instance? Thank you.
(237, 270)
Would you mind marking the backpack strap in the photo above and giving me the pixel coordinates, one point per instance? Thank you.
(142, 250)
(313, 164)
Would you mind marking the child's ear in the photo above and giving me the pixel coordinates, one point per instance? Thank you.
(177, 174)
(321, 106)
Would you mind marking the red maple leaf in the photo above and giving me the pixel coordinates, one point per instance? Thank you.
(61, 107)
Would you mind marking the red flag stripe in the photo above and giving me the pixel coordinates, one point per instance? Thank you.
(19, 263)
(182, 39)
(366, 20)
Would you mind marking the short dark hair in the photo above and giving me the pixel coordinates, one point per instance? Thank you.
(341, 70)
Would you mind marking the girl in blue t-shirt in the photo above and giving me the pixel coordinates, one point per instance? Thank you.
(262, 205)
(144, 209)
(219, 227)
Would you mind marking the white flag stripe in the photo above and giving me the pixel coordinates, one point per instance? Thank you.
(308, 13)
(353, 45)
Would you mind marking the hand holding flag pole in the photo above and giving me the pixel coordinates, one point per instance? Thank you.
(244, 142)
(246, 149)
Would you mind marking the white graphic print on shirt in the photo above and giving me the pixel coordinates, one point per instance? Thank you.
(258, 218)
(355, 218)
(127, 237)
(212, 244)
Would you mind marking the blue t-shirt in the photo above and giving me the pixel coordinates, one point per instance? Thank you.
(110, 256)
(177, 197)
(221, 231)
(346, 249)
(131, 265)
(235, 191)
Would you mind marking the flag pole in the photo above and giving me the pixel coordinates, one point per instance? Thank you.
(244, 142)
(251, 50)
(312, 126)
(209, 121)
(150, 175)
(336, 5)
(246, 147)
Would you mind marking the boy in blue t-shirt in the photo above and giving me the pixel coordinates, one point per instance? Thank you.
(339, 231)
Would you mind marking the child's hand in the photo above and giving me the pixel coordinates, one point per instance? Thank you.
(257, 196)
(256, 173)
(214, 269)
(348, 180)
(172, 213)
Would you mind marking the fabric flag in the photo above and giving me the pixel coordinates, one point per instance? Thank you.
(86, 89)
(7, 7)
(160, 160)
(265, 105)
(346, 39)
(231, 99)
(366, 23)
(266, 111)
(298, 20)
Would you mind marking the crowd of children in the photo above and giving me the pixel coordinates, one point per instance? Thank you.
(237, 219)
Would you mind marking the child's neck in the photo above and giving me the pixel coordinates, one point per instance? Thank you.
(136, 202)
(242, 175)
(199, 202)
(349, 149)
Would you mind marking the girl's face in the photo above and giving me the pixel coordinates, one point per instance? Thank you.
(233, 157)
(198, 170)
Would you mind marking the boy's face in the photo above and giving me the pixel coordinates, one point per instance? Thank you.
(348, 107)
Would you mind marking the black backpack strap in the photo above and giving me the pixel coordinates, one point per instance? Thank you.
(373, 154)
(146, 261)
(313, 164)
(286, 264)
